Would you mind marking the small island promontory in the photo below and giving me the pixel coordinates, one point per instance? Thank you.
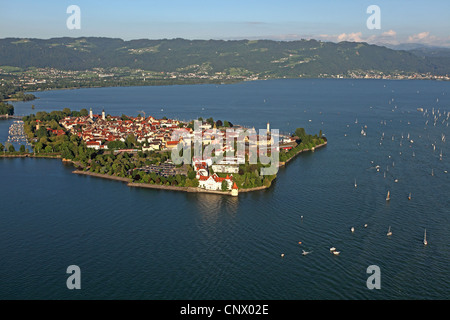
(203, 155)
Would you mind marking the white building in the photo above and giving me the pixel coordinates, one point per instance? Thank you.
(214, 182)
(221, 168)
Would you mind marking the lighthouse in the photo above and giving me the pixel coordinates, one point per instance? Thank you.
(103, 115)
(90, 114)
(268, 127)
(235, 190)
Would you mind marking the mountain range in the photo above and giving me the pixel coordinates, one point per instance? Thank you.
(306, 58)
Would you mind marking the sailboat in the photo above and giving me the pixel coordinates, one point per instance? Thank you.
(409, 197)
(425, 242)
(355, 184)
(432, 172)
(388, 197)
(389, 233)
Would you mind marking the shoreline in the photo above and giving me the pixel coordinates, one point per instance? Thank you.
(30, 155)
(130, 183)
(282, 164)
(100, 175)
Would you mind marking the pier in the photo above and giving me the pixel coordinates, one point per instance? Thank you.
(7, 116)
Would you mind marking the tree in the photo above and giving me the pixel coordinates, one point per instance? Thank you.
(2, 147)
(84, 113)
(224, 185)
(117, 144)
(6, 108)
(66, 153)
(130, 141)
(38, 147)
(219, 123)
(300, 132)
(11, 148)
(22, 148)
(191, 174)
(42, 132)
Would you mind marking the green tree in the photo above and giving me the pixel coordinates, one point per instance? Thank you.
(42, 132)
(224, 185)
(300, 132)
(191, 174)
(130, 141)
(84, 113)
(22, 148)
(2, 147)
(11, 148)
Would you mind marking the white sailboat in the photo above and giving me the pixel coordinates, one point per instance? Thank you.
(388, 197)
(425, 242)
(355, 184)
(389, 233)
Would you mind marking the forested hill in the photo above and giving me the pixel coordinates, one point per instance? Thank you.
(307, 58)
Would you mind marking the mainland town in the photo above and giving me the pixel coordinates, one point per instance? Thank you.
(15, 81)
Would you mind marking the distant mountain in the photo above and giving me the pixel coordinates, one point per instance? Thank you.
(422, 50)
(308, 58)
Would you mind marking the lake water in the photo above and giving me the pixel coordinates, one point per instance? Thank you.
(135, 243)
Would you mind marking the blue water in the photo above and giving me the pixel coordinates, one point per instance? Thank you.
(149, 244)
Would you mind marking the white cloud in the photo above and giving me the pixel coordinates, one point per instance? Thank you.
(390, 33)
(354, 37)
(420, 37)
(390, 37)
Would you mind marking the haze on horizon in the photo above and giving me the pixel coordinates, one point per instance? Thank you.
(410, 22)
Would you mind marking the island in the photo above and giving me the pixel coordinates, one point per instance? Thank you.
(203, 155)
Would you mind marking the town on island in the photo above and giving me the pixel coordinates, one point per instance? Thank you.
(201, 155)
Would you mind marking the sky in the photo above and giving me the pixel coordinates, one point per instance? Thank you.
(400, 21)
